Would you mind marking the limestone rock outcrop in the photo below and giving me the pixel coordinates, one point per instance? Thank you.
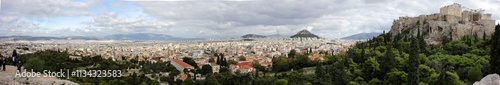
(10, 79)
(452, 21)
(492, 79)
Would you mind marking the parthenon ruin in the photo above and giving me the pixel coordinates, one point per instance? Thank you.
(452, 20)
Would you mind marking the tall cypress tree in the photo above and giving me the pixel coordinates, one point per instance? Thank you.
(495, 51)
(421, 42)
(339, 75)
(346, 61)
(363, 54)
(387, 62)
(223, 61)
(484, 35)
(218, 59)
(413, 63)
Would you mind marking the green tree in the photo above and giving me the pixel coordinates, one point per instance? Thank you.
(396, 77)
(421, 42)
(388, 61)
(413, 63)
(449, 78)
(206, 69)
(242, 58)
(427, 74)
(211, 80)
(224, 62)
(281, 82)
(174, 73)
(259, 67)
(188, 81)
(475, 74)
(319, 71)
(292, 53)
(371, 68)
(219, 59)
(495, 51)
(178, 82)
(190, 61)
(484, 35)
(36, 64)
(281, 64)
(338, 74)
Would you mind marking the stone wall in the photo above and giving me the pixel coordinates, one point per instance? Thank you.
(454, 9)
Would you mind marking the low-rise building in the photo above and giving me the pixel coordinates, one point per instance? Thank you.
(180, 65)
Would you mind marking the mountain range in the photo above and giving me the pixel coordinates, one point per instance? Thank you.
(153, 36)
(361, 36)
(253, 36)
(134, 36)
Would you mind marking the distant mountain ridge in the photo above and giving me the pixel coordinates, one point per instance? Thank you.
(361, 36)
(277, 35)
(146, 37)
(134, 36)
(304, 34)
(46, 38)
(139, 36)
(253, 36)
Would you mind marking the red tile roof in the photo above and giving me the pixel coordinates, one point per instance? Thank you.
(245, 65)
(182, 63)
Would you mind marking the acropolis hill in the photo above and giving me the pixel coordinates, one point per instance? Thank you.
(452, 21)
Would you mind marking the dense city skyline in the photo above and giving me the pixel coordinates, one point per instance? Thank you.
(213, 19)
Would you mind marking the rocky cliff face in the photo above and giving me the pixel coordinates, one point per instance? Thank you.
(453, 21)
(8, 77)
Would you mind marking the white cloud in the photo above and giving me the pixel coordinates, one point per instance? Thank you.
(23, 17)
(43, 8)
(329, 18)
(113, 24)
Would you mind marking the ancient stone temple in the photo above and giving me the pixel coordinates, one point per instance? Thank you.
(453, 20)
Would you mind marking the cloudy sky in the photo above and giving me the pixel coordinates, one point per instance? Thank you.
(214, 18)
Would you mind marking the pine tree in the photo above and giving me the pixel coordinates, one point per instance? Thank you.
(413, 63)
(388, 61)
(484, 35)
(320, 71)
(223, 61)
(421, 42)
(218, 59)
(212, 80)
(346, 61)
(495, 51)
(339, 75)
(363, 56)
(443, 78)
(292, 53)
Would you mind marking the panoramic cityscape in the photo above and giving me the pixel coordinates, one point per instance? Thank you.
(249, 42)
